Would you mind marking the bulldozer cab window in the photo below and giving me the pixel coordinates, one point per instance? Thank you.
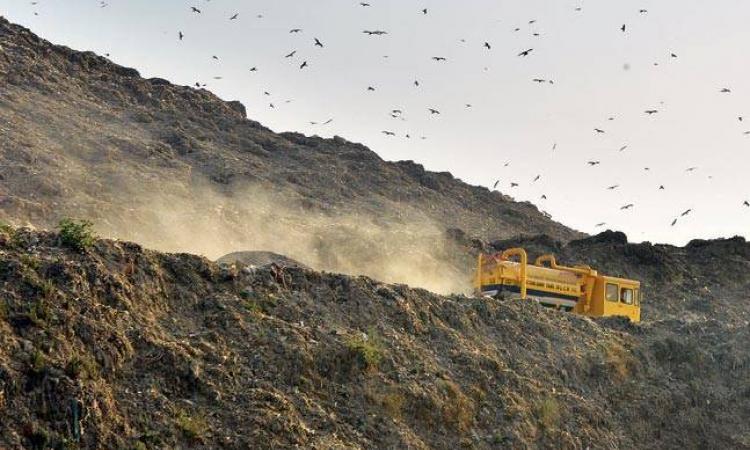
(611, 292)
(626, 296)
(637, 297)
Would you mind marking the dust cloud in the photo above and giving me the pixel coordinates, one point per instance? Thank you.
(385, 245)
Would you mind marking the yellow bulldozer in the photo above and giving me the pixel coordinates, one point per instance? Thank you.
(580, 289)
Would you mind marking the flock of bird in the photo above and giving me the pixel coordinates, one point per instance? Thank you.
(397, 113)
(317, 43)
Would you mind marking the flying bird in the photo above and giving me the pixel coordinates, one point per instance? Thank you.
(495, 185)
(295, 30)
(746, 203)
(599, 130)
(543, 197)
(536, 178)
(601, 224)
(513, 185)
(526, 52)
(235, 16)
(686, 212)
(388, 133)
(180, 35)
(651, 111)
(539, 80)
(291, 55)
(628, 206)
(303, 65)
(318, 43)
(593, 163)
(674, 222)
(673, 55)
(439, 58)
(613, 187)
(370, 88)
(690, 169)
(487, 46)
(195, 10)
(424, 11)
(623, 148)
(661, 187)
(433, 111)
(725, 90)
(253, 69)
(622, 28)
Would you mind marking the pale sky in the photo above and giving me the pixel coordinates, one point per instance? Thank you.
(598, 72)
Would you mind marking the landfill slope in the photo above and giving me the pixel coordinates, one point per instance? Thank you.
(122, 347)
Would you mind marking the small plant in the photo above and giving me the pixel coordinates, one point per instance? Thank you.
(5, 228)
(618, 361)
(77, 234)
(38, 362)
(39, 313)
(548, 413)
(366, 349)
(30, 261)
(458, 409)
(7, 235)
(81, 368)
(252, 307)
(139, 445)
(193, 427)
(393, 403)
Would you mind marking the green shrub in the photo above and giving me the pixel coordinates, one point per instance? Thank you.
(39, 313)
(193, 427)
(366, 349)
(548, 413)
(7, 229)
(252, 307)
(38, 361)
(30, 261)
(393, 403)
(77, 234)
(82, 368)
(138, 445)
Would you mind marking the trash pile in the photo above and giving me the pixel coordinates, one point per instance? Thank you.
(117, 346)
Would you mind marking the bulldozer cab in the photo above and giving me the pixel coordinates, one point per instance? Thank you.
(616, 297)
